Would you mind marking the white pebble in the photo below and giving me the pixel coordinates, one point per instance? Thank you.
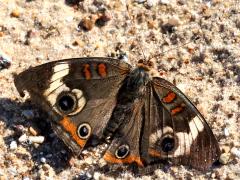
(1, 173)
(43, 160)
(13, 145)
(226, 132)
(22, 138)
(12, 171)
(26, 178)
(96, 175)
(69, 18)
(140, 1)
(36, 139)
(152, 3)
(89, 160)
(102, 162)
(235, 152)
(164, 1)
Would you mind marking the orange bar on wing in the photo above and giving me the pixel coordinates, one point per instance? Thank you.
(72, 130)
(87, 71)
(169, 98)
(154, 153)
(102, 70)
(176, 110)
(128, 160)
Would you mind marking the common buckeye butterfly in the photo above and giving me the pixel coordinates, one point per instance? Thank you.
(144, 118)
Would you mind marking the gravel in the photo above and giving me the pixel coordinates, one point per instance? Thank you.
(195, 45)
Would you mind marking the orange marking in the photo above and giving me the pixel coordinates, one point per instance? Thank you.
(72, 129)
(128, 160)
(169, 98)
(154, 153)
(176, 110)
(87, 71)
(102, 70)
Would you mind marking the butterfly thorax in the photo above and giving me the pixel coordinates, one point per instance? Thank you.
(136, 79)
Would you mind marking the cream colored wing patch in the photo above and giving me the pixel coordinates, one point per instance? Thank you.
(57, 87)
(184, 139)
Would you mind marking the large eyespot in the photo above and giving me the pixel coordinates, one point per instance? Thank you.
(167, 144)
(70, 102)
(122, 151)
(66, 103)
(84, 131)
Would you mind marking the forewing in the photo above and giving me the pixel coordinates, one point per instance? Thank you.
(88, 85)
(176, 129)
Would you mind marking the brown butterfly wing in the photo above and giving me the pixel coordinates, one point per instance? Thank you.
(125, 146)
(176, 130)
(79, 94)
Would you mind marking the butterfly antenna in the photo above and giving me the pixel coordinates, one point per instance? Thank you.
(138, 39)
(177, 47)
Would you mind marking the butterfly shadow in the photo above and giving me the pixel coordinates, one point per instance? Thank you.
(18, 118)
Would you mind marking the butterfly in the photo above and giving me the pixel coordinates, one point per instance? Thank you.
(144, 118)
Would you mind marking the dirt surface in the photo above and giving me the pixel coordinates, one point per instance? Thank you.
(198, 47)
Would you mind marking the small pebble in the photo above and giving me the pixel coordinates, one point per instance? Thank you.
(28, 114)
(5, 61)
(33, 131)
(102, 162)
(226, 132)
(15, 13)
(26, 178)
(235, 152)
(151, 3)
(13, 145)
(69, 18)
(224, 158)
(102, 19)
(165, 2)
(140, 1)
(86, 176)
(96, 175)
(22, 138)
(88, 160)
(225, 149)
(174, 21)
(43, 160)
(86, 24)
(12, 171)
(36, 139)
(46, 167)
(19, 129)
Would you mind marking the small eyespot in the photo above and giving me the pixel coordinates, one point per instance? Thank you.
(84, 131)
(122, 151)
(66, 103)
(167, 144)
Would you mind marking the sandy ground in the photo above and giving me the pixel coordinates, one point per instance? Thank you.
(34, 32)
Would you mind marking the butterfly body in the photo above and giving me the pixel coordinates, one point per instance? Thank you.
(144, 118)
